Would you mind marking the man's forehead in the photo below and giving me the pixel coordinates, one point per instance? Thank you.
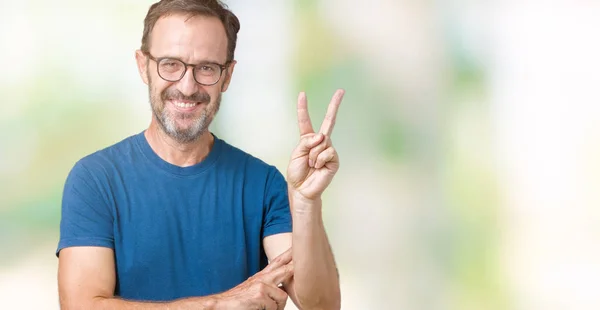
(175, 33)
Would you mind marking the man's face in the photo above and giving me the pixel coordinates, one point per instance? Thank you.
(184, 109)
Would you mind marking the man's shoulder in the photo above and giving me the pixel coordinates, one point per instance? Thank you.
(108, 156)
(235, 154)
(260, 175)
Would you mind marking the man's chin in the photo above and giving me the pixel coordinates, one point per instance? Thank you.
(185, 136)
(181, 134)
(191, 132)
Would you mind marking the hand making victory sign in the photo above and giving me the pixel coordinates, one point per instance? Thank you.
(314, 161)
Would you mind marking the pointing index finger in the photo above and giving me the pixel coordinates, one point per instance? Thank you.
(329, 121)
(304, 123)
(280, 274)
(280, 260)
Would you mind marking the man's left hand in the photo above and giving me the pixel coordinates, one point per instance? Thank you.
(314, 161)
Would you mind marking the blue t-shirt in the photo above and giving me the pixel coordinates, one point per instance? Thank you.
(176, 231)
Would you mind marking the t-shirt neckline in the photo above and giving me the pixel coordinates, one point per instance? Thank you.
(198, 168)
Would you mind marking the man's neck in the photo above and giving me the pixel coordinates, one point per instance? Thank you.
(175, 153)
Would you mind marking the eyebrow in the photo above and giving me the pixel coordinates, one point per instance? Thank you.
(206, 61)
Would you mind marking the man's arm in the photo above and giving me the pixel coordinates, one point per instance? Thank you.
(313, 164)
(86, 280)
(315, 284)
(317, 280)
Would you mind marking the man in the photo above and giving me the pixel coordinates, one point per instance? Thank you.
(176, 218)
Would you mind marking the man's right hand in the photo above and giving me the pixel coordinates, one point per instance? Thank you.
(87, 279)
(261, 291)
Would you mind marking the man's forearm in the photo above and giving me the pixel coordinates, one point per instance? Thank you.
(195, 303)
(316, 281)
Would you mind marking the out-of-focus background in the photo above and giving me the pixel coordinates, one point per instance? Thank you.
(469, 137)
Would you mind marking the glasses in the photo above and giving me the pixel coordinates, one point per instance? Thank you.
(173, 70)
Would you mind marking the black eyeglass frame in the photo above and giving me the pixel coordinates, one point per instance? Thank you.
(159, 59)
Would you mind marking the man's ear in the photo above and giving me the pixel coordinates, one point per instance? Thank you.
(227, 77)
(142, 64)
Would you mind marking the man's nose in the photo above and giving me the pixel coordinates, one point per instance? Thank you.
(188, 85)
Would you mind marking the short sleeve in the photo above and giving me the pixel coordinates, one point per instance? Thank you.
(86, 217)
(277, 218)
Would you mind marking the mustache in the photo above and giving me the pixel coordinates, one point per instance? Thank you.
(174, 94)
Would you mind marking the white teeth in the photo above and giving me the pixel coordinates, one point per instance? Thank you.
(184, 105)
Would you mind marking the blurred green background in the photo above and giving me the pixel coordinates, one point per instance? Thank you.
(469, 138)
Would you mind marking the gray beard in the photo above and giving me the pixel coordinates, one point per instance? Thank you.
(168, 119)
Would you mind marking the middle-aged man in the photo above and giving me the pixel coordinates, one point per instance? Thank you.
(176, 218)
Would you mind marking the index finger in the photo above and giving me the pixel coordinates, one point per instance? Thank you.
(304, 122)
(283, 259)
(329, 121)
(280, 274)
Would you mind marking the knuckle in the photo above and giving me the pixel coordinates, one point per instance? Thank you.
(289, 269)
(261, 287)
(304, 137)
(257, 295)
